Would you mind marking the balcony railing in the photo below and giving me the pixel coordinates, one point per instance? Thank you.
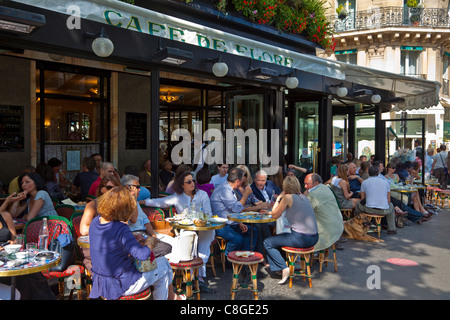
(392, 17)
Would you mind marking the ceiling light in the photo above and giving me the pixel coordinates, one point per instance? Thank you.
(19, 21)
(172, 56)
(168, 97)
(262, 73)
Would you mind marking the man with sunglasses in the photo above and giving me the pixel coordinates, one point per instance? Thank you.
(143, 223)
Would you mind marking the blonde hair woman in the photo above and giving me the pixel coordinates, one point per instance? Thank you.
(341, 188)
(301, 218)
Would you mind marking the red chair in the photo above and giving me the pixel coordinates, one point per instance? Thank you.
(156, 217)
(31, 232)
(65, 210)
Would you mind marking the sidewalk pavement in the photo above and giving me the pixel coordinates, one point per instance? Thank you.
(364, 265)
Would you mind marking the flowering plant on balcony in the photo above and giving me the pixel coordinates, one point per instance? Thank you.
(305, 17)
(342, 12)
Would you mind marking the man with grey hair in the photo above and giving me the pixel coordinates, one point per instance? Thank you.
(160, 248)
(106, 169)
(328, 215)
(264, 189)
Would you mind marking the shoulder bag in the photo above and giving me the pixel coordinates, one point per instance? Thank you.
(64, 244)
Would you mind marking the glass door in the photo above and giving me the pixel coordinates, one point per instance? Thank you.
(306, 135)
(245, 111)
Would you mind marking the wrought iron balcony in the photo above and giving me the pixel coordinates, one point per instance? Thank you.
(392, 17)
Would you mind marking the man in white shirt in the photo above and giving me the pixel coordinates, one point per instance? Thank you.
(221, 177)
(377, 195)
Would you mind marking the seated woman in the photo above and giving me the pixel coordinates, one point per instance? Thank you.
(50, 185)
(112, 243)
(90, 212)
(28, 287)
(341, 188)
(33, 201)
(181, 168)
(186, 194)
(302, 219)
(394, 180)
(203, 177)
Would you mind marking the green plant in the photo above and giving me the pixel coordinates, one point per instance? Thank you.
(294, 16)
(339, 9)
(412, 3)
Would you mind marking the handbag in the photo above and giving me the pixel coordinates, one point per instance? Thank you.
(64, 244)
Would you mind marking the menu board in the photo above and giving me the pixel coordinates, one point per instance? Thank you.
(11, 128)
(136, 131)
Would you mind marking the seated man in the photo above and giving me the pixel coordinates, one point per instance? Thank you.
(223, 202)
(221, 177)
(84, 179)
(328, 215)
(377, 195)
(354, 180)
(266, 191)
(143, 224)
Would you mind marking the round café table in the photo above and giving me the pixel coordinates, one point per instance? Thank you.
(251, 217)
(28, 267)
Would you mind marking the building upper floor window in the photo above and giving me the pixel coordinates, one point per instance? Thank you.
(410, 61)
(347, 56)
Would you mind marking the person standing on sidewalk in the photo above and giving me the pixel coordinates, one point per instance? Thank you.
(439, 168)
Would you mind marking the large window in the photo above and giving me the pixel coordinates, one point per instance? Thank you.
(410, 62)
(72, 108)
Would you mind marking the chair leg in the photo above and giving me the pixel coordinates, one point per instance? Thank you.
(253, 271)
(308, 269)
(234, 283)
(211, 258)
(189, 278)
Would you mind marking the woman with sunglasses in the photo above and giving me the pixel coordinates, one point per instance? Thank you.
(186, 194)
(106, 184)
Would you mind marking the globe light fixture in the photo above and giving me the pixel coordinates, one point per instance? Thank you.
(102, 46)
(220, 69)
(341, 92)
(291, 82)
(376, 98)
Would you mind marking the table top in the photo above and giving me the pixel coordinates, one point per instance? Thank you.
(209, 226)
(83, 241)
(20, 223)
(410, 189)
(251, 217)
(28, 267)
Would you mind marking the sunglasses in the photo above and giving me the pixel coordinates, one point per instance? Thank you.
(108, 187)
(134, 185)
(189, 182)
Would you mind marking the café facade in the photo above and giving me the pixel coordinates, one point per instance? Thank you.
(108, 77)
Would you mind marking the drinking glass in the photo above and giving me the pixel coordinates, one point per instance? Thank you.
(32, 250)
(19, 239)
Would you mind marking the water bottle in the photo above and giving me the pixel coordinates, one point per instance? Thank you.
(43, 236)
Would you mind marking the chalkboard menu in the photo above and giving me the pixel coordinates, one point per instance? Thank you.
(11, 128)
(136, 128)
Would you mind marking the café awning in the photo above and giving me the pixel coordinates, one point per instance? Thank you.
(417, 93)
(409, 93)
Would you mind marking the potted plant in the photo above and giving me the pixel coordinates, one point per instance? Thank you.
(342, 12)
(414, 12)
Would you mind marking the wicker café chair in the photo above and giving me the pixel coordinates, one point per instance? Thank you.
(31, 232)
